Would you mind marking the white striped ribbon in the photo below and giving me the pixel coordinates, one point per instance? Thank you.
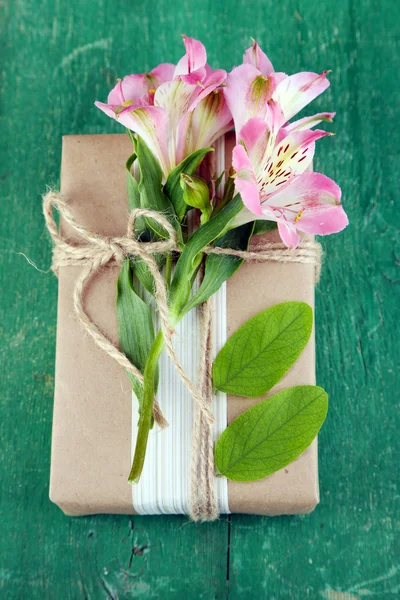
(164, 485)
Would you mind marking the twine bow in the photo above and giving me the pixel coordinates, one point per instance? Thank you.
(98, 251)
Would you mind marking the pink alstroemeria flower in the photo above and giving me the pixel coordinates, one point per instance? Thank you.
(175, 109)
(272, 155)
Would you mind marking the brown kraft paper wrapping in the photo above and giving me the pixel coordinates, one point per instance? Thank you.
(91, 444)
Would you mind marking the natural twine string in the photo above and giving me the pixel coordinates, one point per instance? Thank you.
(99, 251)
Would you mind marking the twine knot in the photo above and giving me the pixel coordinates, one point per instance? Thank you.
(112, 251)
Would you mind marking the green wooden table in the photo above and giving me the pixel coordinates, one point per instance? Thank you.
(57, 58)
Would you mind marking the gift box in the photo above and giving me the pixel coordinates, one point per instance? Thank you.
(94, 413)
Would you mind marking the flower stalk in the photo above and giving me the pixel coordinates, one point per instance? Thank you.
(146, 415)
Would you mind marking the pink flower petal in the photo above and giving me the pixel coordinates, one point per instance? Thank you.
(194, 78)
(311, 202)
(163, 72)
(308, 122)
(210, 119)
(255, 135)
(245, 180)
(290, 158)
(330, 220)
(183, 140)
(277, 77)
(274, 116)
(176, 98)
(256, 57)
(135, 86)
(195, 57)
(288, 233)
(296, 91)
(152, 124)
(212, 80)
(247, 93)
(237, 84)
(108, 109)
(116, 96)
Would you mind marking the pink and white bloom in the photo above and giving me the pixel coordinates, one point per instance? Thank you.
(272, 156)
(175, 109)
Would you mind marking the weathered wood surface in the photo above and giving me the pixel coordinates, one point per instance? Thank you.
(57, 57)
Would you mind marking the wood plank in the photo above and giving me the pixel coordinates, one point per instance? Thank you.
(58, 58)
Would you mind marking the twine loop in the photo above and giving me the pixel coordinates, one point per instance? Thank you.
(97, 251)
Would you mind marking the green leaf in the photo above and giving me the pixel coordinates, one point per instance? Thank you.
(260, 352)
(134, 198)
(229, 190)
(261, 226)
(150, 189)
(142, 272)
(135, 325)
(218, 268)
(188, 262)
(218, 180)
(271, 434)
(133, 186)
(142, 231)
(173, 188)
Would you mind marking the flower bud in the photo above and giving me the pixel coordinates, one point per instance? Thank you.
(196, 194)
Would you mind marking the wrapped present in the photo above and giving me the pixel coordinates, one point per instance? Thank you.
(95, 415)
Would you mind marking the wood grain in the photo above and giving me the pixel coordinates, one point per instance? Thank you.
(58, 57)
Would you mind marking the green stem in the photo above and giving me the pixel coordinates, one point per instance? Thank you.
(168, 269)
(187, 265)
(145, 419)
